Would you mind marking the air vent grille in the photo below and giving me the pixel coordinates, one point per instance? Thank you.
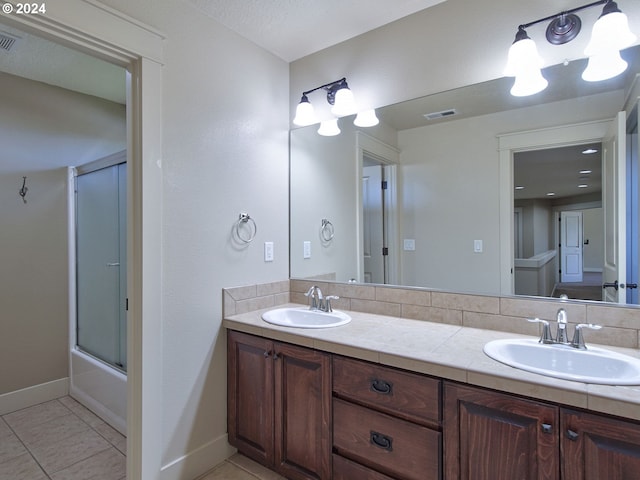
(7, 41)
(444, 113)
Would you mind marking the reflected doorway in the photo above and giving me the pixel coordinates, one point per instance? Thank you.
(558, 206)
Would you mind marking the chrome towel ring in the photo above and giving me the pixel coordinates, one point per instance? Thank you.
(245, 222)
(326, 230)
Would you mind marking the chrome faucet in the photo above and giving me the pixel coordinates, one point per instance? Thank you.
(319, 302)
(561, 333)
(315, 294)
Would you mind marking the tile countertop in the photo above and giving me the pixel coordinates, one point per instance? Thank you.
(446, 351)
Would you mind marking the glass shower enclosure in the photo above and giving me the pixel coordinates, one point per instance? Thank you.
(101, 264)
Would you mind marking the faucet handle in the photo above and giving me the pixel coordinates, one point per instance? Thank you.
(578, 337)
(545, 337)
(327, 302)
(313, 293)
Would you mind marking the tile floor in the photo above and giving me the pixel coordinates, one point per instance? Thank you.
(239, 467)
(63, 440)
(60, 440)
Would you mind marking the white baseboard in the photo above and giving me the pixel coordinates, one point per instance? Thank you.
(27, 397)
(198, 461)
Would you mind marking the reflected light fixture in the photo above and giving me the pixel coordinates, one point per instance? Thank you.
(609, 35)
(329, 128)
(342, 102)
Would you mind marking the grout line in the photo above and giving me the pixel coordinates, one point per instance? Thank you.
(28, 450)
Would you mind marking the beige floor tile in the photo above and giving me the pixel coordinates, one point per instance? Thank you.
(10, 445)
(112, 436)
(35, 415)
(107, 465)
(23, 467)
(52, 432)
(54, 457)
(254, 468)
(228, 471)
(81, 411)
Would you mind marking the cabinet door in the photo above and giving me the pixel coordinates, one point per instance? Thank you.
(302, 412)
(493, 436)
(596, 447)
(250, 396)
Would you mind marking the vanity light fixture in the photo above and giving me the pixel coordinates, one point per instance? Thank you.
(610, 34)
(342, 102)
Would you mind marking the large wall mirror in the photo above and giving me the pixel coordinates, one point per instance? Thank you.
(449, 216)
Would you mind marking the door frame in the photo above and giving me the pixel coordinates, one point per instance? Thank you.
(511, 143)
(105, 33)
(389, 156)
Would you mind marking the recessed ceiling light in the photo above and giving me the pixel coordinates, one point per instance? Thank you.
(585, 172)
(550, 194)
(519, 187)
(589, 151)
(583, 185)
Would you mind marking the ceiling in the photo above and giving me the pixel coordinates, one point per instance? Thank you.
(292, 29)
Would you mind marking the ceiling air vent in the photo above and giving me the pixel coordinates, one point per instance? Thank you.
(7, 41)
(444, 113)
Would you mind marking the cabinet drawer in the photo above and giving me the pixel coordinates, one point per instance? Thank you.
(391, 445)
(344, 469)
(410, 396)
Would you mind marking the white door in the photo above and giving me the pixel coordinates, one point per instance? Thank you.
(571, 246)
(614, 199)
(373, 224)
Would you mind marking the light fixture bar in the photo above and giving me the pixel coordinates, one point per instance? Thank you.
(565, 12)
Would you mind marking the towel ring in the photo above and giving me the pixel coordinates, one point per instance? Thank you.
(244, 218)
(326, 230)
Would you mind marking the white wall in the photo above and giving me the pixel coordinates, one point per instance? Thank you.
(225, 151)
(40, 122)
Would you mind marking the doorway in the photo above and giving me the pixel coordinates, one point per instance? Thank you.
(377, 211)
(139, 49)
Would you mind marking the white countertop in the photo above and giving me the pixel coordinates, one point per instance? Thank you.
(446, 351)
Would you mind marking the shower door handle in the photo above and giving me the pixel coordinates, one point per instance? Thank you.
(114, 264)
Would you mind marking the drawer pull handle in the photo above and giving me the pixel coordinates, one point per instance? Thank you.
(571, 435)
(381, 441)
(381, 386)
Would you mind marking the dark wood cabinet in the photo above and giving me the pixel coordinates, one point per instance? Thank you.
(386, 423)
(279, 405)
(595, 447)
(309, 415)
(494, 436)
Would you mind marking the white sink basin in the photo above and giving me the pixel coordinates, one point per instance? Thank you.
(305, 318)
(594, 365)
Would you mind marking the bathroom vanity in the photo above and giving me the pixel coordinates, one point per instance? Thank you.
(391, 398)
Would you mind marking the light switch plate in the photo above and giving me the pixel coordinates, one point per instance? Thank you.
(477, 246)
(306, 248)
(268, 251)
(409, 244)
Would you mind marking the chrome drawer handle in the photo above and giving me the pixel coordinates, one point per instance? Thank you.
(381, 386)
(381, 441)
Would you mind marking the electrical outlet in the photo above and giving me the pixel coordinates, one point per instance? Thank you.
(268, 251)
(306, 249)
(409, 244)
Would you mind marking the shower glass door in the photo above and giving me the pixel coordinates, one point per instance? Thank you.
(101, 264)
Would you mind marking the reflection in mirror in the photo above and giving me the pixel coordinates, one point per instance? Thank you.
(443, 223)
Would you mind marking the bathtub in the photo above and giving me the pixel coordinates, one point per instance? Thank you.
(99, 387)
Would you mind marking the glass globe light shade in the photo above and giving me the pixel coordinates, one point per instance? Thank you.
(366, 118)
(329, 128)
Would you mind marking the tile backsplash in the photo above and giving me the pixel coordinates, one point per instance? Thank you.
(621, 325)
